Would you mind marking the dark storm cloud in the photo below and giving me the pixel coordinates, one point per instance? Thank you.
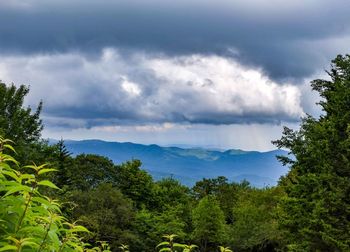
(106, 62)
(274, 35)
(113, 89)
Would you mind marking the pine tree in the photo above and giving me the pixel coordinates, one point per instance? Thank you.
(62, 157)
(316, 210)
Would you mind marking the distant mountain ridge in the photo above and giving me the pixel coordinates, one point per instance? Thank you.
(192, 164)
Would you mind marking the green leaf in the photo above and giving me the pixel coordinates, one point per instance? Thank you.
(12, 174)
(27, 176)
(178, 245)
(30, 244)
(33, 167)
(8, 158)
(54, 237)
(8, 247)
(164, 249)
(5, 166)
(80, 229)
(41, 200)
(42, 171)
(39, 230)
(7, 146)
(18, 188)
(48, 184)
(162, 244)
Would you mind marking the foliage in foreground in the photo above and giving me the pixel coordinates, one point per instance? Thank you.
(29, 220)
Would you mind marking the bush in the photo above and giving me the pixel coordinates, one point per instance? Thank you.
(28, 219)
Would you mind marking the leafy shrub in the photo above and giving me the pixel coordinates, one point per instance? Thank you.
(29, 220)
(172, 246)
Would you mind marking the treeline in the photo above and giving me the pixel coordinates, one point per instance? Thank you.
(122, 205)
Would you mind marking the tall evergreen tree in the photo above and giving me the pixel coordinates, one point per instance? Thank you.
(63, 155)
(316, 210)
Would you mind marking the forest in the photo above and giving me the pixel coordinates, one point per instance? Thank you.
(51, 200)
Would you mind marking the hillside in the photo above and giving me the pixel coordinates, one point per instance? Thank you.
(192, 164)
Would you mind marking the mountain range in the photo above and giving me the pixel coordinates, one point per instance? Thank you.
(189, 165)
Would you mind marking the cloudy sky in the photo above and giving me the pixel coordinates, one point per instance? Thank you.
(223, 73)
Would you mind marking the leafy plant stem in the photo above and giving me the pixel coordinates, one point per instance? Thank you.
(63, 243)
(46, 234)
(24, 212)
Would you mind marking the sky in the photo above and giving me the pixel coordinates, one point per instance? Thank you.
(219, 74)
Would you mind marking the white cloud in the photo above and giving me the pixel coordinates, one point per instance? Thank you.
(219, 85)
(131, 88)
(140, 88)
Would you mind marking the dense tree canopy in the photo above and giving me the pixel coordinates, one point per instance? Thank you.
(87, 171)
(136, 183)
(255, 224)
(316, 210)
(106, 212)
(209, 224)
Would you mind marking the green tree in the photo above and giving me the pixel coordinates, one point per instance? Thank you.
(209, 224)
(63, 153)
(173, 199)
(64, 162)
(150, 226)
(170, 193)
(106, 213)
(16, 122)
(136, 184)
(255, 226)
(21, 124)
(87, 171)
(210, 186)
(204, 188)
(145, 226)
(316, 210)
(226, 193)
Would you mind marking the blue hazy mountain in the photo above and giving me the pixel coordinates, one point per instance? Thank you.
(190, 164)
